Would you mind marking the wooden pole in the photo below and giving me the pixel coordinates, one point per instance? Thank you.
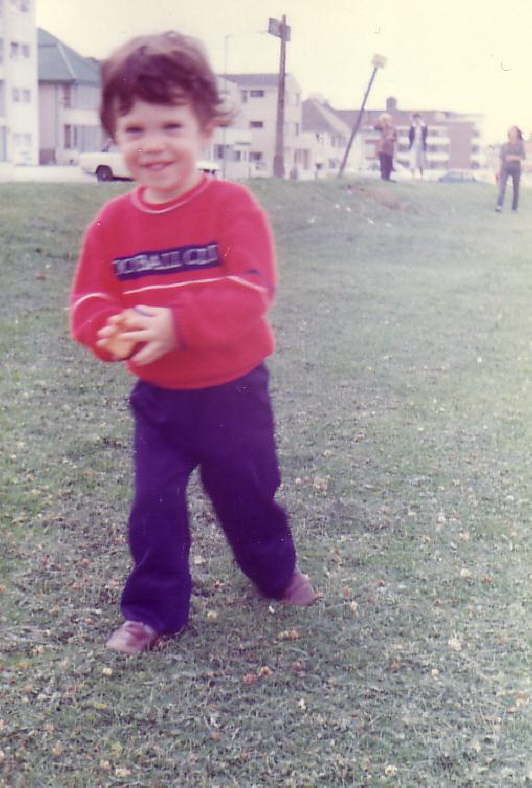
(278, 160)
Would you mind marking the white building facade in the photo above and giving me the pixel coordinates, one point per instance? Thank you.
(258, 115)
(69, 98)
(19, 103)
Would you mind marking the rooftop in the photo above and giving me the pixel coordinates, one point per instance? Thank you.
(59, 63)
(319, 116)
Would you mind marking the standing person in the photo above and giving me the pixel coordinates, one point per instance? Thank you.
(386, 144)
(176, 278)
(417, 139)
(511, 155)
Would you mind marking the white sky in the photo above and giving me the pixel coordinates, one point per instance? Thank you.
(461, 55)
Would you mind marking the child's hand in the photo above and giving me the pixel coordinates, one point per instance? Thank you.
(154, 327)
(111, 338)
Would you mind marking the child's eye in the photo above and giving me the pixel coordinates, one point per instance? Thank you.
(173, 126)
(133, 130)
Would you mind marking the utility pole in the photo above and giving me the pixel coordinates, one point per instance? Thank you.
(282, 31)
(378, 61)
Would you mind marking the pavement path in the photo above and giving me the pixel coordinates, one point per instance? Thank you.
(46, 174)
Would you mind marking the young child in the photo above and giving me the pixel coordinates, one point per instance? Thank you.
(176, 278)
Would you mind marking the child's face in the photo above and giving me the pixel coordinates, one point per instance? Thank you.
(161, 144)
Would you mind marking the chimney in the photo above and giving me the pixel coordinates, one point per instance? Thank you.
(391, 104)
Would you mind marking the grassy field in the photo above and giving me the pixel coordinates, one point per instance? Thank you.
(403, 401)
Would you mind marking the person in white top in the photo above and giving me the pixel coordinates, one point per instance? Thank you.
(417, 138)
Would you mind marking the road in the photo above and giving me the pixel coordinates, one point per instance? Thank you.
(45, 174)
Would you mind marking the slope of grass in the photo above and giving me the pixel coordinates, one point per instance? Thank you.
(402, 394)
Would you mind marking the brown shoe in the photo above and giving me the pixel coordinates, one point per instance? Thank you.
(133, 637)
(299, 591)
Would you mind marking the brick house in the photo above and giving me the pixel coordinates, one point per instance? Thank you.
(454, 139)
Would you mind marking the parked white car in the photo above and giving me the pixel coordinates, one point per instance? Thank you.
(108, 164)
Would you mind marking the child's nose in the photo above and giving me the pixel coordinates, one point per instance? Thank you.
(152, 142)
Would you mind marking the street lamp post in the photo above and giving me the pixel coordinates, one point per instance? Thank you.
(378, 61)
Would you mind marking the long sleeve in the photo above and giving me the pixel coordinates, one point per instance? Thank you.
(94, 296)
(222, 310)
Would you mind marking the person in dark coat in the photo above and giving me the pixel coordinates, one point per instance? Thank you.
(511, 156)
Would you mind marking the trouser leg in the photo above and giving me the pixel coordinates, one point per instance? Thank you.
(516, 177)
(387, 166)
(157, 591)
(502, 187)
(382, 162)
(240, 473)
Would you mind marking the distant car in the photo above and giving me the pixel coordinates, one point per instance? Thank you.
(457, 176)
(108, 165)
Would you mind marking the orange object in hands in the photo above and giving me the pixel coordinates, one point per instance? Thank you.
(116, 344)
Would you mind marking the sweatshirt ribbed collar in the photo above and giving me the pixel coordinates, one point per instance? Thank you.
(137, 197)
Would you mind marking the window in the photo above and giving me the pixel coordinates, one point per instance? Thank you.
(17, 50)
(255, 155)
(66, 95)
(244, 95)
(219, 152)
(256, 94)
(26, 96)
(70, 136)
(296, 129)
(302, 158)
(237, 155)
(15, 94)
(22, 140)
(256, 124)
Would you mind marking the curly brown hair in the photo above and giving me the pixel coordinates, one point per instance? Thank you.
(166, 68)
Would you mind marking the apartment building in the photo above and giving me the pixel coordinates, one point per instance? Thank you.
(454, 140)
(69, 96)
(258, 113)
(230, 144)
(18, 83)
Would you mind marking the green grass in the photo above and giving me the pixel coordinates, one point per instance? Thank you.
(402, 392)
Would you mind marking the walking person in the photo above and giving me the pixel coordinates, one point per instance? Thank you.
(386, 144)
(511, 155)
(176, 278)
(417, 140)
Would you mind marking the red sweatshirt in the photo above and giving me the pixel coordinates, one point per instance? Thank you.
(208, 256)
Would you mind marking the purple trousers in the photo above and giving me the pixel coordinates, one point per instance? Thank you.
(227, 431)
